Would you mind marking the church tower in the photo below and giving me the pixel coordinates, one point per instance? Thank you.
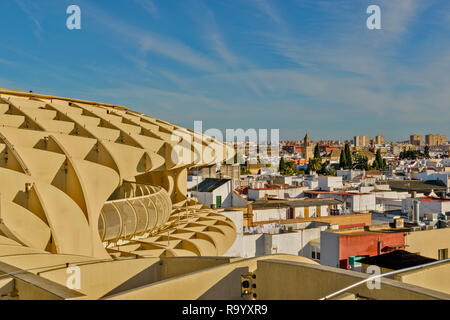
(307, 149)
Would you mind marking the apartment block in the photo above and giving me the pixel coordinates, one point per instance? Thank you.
(379, 140)
(435, 139)
(361, 141)
(416, 139)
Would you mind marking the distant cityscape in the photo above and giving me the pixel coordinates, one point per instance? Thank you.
(345, 204)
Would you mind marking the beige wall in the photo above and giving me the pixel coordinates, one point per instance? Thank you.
(428, 242)
(222, 282)
(286, 280)
(435, 277)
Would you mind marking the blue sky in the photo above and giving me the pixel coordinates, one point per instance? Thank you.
(296, 65)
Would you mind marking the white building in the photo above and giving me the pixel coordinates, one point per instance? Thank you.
(330, 183)
(427, 205)
(350, 174)
(192, 181)
(302, 239)
(278, 193)
(295, 209)
(354, 201)
(217, 193)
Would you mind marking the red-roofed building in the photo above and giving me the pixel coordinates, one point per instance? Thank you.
(343, 248)
(427, 205)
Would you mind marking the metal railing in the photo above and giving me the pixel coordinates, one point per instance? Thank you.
(378, 276)
(137, 209)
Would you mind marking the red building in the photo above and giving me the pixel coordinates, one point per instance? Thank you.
(341, 248)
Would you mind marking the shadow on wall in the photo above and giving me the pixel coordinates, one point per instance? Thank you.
(227, 288)
(259, 246)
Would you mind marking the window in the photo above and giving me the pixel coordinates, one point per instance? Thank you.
(315, 253)
(442, 254)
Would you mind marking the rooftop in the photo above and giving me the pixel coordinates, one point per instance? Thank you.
(337, 193)
(209, 184)
(295, 203)
(398, 259)
(416, 185)
(377, 229)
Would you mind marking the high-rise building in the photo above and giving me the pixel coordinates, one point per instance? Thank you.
(379, 140)
(361, 141)
(435, 139)
(416, 139)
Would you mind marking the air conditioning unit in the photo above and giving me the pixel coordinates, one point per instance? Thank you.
(431, 216)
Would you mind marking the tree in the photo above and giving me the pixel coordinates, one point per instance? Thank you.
(427, 152)
(332, 172)
(314, 164)
(379, 164)
(361, 163)
(282, 165)
(342, 160)
(348, 164)
(325, 171)
(410, 154)
(317, 152)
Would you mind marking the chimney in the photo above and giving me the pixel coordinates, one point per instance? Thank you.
(398, 222)
(416, 212)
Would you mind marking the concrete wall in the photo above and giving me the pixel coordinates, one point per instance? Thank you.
(434, 206)
(238, 219)
(254, 194)
(310, 282)
(350, 174)
(295, 243)
(253, 245)
(435, 277)
(329, 249)
(427, 242)
(270, 214)
(361, 203)
(311, 184)
(222, 282)
(193, 181)
(209, 198)
(237, 201)
(330, 183)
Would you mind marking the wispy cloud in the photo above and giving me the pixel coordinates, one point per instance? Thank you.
(149, 6)
(25, 7)
(148, 41)
(314, 60)
(397, 16)
(6, 62)
(215, 38)
(269, 10)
